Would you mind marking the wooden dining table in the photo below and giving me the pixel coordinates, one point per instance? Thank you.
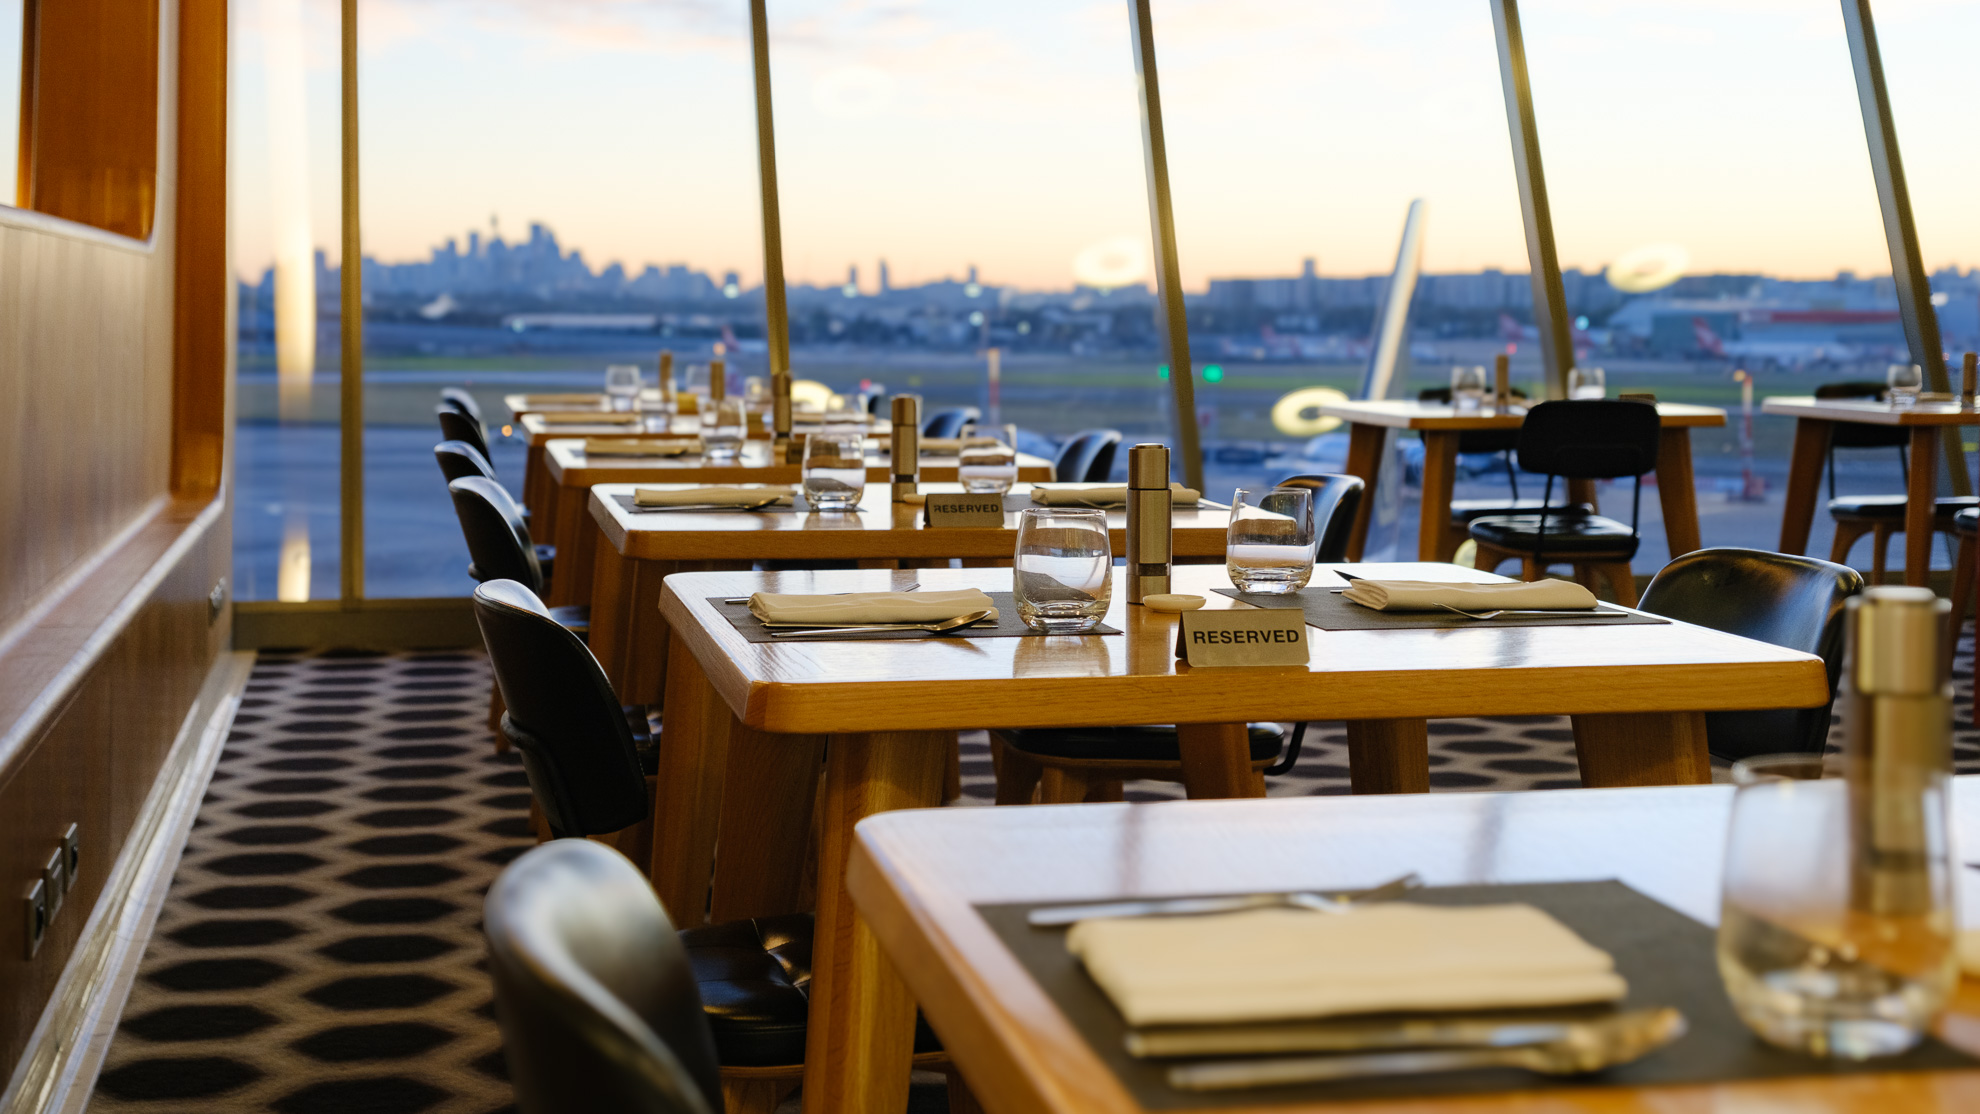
(743, 741)
(917, 877)
(1815, 420)
(570, 474)
(1440, 424)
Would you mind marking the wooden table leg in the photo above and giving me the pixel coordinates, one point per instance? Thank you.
(535, 493)
(1804, 482)
(611, 613)
(694, 745)
(767, 799)
(1216, 761)
(1433, 527)
(1364, 459)
(1676, 490)
(1642, 748)
(860, 1035)
(577, 540)
(1920, 505)
(1389, 755)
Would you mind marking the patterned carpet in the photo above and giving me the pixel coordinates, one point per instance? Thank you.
(320, 949)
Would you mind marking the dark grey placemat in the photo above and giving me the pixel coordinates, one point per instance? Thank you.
(1008, 625)
(1328, 611)
(1667, 958)
(1012, 505)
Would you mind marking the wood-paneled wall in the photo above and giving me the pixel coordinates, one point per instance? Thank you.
(115, 381)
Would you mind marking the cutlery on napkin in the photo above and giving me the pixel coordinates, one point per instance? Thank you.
(712, 496)
(858, 608)
(641, 446)
(1277, 964)
(1103, 495)
(1430, 595)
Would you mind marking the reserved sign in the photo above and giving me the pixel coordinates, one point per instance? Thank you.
(957, 509)
(1243, 636)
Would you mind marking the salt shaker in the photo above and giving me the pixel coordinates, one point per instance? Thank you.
(1148, 522)
(718, 381)
(1501, 383)
(1969, 370)
(780, 416)
(666, 379)
(906, 445)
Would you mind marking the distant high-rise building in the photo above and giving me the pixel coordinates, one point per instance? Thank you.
(852, 280)
(885, 284)
(1309, 283)
(972, 272)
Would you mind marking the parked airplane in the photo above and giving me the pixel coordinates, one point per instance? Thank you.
(1788, 353)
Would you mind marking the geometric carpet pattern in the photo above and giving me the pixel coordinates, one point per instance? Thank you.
(320, 949)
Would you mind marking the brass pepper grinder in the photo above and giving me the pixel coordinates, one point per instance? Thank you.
(1898, 754)
(718, 381)
(666, 379)
(1969, 370)
(906, 445)
(1501, 383)
(1148, 513)
(780, 416)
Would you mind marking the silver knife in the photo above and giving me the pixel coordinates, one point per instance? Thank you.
(1052, 916)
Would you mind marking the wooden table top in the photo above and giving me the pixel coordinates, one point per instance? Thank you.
(879, 529)
(955, 683)
(1410, 414)
(1869, 412)
(570, 466)
(915, 876)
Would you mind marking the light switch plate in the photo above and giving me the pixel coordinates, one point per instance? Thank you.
(55, 878)
(72, 853)
(34, 926)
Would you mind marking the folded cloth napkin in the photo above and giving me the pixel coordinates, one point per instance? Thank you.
(721, 496)
(1288, 964)
(590, 417)
(1427, 595)
(949, 446)
(869, 607)
(1103, 495)
(641, 446)
(564, 400)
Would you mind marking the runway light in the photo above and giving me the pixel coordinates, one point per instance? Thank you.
(1213, 373)
(1162, 372)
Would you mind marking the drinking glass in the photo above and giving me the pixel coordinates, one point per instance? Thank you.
(694, 380)
(1905, 380)
(1468, 386)
(622, 385)
(1064, 577)
(834, 469)
(1828, 946)
(1587, 382)
(722, 438)
(756, 391)
(1271, 544)
(986, 463)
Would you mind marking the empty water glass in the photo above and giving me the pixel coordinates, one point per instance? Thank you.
(987, 464)
(756, 391)
(722, 438)
(1587, 382)
(1271, 544)
(622, 385)
(694, 380)
(1468, 389)
(834, 469)
(1905, 381)
(1064, 577)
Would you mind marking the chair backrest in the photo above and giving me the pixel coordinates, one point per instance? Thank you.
(1590, 439)
(1336, 499)
(562, 715)
(1088, 457)
(950, 423)
(1861, 435)
(497, 538)
(593, 991)
(463, 401)
(456, 426)
(1795, 602)
(459, 460)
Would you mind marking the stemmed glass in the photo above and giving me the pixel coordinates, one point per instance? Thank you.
(622, 385)
(1064, 575)
(1271, 545)
(1467, 389)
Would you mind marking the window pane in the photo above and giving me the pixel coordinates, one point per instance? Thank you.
(548, 189)
(12, 24)
(962, 190)
(285, 170)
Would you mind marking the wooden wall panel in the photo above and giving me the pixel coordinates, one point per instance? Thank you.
(92, 141)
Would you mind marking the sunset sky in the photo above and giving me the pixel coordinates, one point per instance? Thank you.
(941, 133)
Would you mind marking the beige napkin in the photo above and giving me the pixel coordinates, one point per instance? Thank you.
(1286, 964)
(564, 400)
(1426, 595)
(950, 446)
(1103, 495)
(641, 446)
(869, 607)
(695, 496)
(590, 417)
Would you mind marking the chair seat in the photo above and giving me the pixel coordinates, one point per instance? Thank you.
(1463, 511)
(1891, 507)
(1590, 536)
(755, 982)
(1967, 522)
(575, 618)
(1125, 744)
(546, 559)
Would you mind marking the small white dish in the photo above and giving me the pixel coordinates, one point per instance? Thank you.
(1172, 602)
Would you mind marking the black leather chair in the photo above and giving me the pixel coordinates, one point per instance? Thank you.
(588, 774)
(1336, 499)
(459, 460)
(1880, 516)
(952, 422)
(594, 992)
(499, 547)
(1965, 527)
(461, 400)
(1584, 439)
(1795, 602)
(456, 426)
(1087, 457)
(1859, 435)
